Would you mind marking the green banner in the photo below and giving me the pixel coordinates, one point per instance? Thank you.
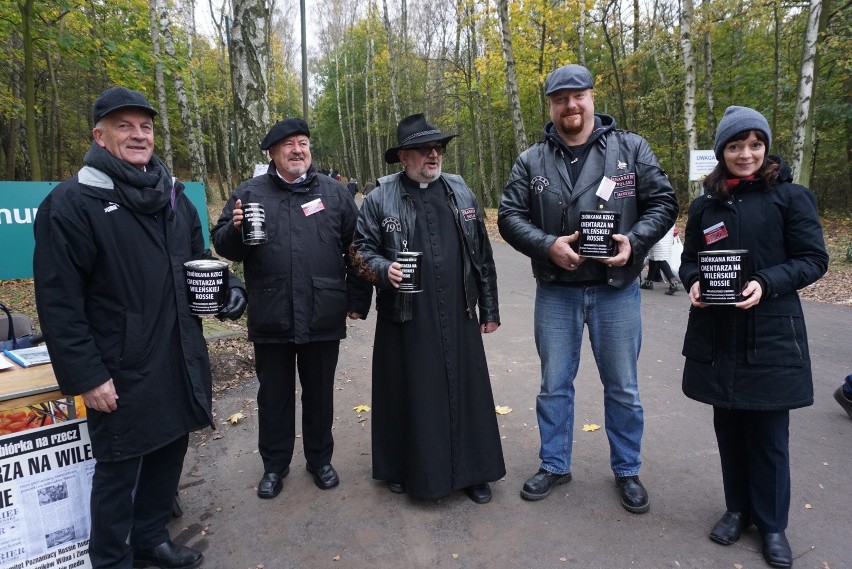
(19, 202)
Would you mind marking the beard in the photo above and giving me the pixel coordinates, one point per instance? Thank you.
(572, 127)
(424, 175)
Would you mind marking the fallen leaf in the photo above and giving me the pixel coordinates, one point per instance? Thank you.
(361, 408)
(737, 566)
(455, 555)
(563, 559)
(809, 507)
(503, 409)
(591, 428)
(336, 558)
(235, 418)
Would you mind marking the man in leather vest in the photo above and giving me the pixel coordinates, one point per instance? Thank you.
(585, 164)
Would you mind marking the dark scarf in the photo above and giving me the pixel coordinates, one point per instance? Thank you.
(141, 191)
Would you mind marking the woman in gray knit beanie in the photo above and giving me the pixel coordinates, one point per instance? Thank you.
(750, 360)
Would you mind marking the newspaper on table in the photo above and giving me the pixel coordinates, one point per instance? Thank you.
(45, 487)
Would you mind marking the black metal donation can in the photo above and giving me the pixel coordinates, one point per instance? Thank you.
(596, 231)
(411, 263)
(206, 285)
(722, 276)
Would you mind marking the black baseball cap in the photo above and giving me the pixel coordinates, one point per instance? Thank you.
(119, 98)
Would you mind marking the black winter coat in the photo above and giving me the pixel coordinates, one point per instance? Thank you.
(112, 302)
(298, 289)
(755, 359)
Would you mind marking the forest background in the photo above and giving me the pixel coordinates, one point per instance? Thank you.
(663, 68)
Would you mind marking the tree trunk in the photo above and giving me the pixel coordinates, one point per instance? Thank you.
(197, 161)
(511, 78)
(803, 120)
(392, 63)
(615, 71)
(56, 119)
(163, 129)
(249, 61)
(689, 111)
(708, 86)
(195, 111)
(581, 34)
(26, 9)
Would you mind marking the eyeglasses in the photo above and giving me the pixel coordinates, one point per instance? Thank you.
(426, 149)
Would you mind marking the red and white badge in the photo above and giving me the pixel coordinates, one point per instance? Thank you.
(313, 207)
(715, 233)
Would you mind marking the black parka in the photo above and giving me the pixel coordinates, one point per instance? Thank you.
(298, 290)
(112, 302)
(755, 359)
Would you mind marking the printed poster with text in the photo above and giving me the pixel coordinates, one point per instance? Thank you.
(45, 484)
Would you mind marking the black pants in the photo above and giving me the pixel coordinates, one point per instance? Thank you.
(654, 268)
(276, 401)
(132, 503)
(755, 450)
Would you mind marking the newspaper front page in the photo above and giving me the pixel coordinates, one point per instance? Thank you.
(45, 485)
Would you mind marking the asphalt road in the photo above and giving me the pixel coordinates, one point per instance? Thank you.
(581, 525)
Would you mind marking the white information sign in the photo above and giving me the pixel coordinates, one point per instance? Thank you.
(45, 486)
(701, 163)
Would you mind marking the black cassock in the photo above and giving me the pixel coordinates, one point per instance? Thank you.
(434, 425)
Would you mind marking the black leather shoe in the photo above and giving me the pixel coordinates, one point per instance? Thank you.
(647, 285)
(479, 493)
(271, 483)
(844, 401)
(397, 487)
(634, 497)
(729, 528)
(167, 555)
(776, 549)
(325, 477)
(539, 486)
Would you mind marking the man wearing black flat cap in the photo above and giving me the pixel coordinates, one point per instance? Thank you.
(299, 298)
(585, 164)
(112, 300)
(434, 427)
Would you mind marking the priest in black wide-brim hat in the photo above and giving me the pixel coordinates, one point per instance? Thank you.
(413, 131)
(434, 428)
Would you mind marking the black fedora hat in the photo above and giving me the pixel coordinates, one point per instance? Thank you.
(414, 130)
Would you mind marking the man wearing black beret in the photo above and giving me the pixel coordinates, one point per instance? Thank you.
(299, 298)
(112, 300)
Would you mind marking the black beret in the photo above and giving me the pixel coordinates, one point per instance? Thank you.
(284, 129)
(119, 98)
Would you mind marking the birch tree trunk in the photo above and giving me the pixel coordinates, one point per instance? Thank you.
(708, 86)
(511, 78)
(612, 56)
(198, 166)
(581, 34)
(195, 111)
(224, 116)
(392, 63)
(803, 120)
(689, 111)
(249, 62)
(164, 132)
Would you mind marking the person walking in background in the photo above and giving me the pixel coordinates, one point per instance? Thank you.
(750, 360)
(434, 426)
(584, 163)
(110, 243)
(299, 297)
(352, 186)
(658, 262)
(843, 395)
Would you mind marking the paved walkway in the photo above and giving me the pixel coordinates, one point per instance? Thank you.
(582, 525)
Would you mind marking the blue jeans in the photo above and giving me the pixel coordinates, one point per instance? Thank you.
(615, 331)
(847, 386)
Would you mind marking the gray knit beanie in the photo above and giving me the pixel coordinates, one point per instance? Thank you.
(735, 121)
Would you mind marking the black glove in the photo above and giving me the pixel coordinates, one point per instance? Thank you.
(236, 304)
